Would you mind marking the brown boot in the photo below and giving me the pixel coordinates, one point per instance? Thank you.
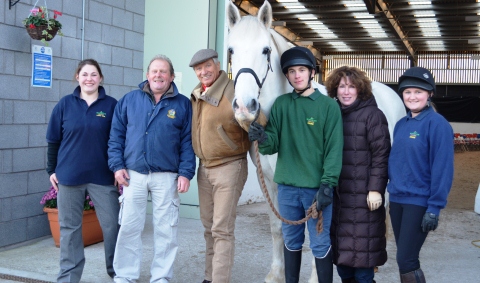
(415, 276)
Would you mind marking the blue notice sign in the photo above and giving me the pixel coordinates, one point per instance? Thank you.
(41, 66)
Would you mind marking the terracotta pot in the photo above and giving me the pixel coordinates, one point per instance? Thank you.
(91, 230)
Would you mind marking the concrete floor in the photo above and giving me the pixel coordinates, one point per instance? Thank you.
(447, 256)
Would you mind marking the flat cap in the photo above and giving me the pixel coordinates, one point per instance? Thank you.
(203, 55)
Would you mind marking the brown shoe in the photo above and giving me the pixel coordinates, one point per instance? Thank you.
(415, 276)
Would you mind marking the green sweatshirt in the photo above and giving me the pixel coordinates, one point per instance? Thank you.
(307, 134)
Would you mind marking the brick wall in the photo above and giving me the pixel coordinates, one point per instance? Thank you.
(114, 32)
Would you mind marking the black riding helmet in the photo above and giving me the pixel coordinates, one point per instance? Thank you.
(417, 77)
(297, 56)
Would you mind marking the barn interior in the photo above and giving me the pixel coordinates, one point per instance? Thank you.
(386, 37)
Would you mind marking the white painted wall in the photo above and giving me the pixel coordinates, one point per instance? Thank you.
(466, 128)
(178, 33)
(251, 192)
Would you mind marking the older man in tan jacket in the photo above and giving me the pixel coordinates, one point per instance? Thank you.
(221, 145)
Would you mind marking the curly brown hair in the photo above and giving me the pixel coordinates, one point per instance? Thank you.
(356, 76)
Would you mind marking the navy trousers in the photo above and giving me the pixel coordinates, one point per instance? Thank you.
(409, 237)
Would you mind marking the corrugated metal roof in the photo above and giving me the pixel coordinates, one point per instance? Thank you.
(380, 25)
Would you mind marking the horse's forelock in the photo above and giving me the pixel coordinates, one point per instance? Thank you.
(247, 40)
(248, 28)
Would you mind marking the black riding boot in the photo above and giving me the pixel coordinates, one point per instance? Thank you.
(325, 268)
(293, 261)
(415, 276)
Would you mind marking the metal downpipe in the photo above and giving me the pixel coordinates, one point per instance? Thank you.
(83, 26)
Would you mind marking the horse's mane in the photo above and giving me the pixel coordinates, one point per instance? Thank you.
(280, 42)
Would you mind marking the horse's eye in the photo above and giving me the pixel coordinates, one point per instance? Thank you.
(266, 50)
(230, 50)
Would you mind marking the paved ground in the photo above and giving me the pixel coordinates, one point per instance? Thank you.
(447, 257)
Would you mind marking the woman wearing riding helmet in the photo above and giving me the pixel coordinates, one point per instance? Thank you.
(420, 169)
(305, 129)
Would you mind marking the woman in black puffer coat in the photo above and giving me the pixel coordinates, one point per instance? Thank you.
(358, 222)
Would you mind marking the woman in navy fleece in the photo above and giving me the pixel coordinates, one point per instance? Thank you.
(420, 171)
(77, 162)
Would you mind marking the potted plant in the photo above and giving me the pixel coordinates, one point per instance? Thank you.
(91, 230)
(40, 26)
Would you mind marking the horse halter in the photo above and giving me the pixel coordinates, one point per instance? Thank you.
(252, 72)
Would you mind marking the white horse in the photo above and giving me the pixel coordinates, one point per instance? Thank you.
(255, 51)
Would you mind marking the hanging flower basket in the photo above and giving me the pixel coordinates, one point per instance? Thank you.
(40, 26)
(38, 33)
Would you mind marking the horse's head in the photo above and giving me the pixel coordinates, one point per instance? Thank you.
(252, 58)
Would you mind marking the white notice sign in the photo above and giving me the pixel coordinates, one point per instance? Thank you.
(41, 66)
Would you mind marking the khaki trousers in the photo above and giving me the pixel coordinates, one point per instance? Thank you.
(219, 189)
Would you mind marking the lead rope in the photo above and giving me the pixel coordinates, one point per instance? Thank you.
(311, 212)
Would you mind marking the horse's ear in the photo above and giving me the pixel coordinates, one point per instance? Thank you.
(265, 14)
(233, 15)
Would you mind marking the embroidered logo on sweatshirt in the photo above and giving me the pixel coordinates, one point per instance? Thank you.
(101, 114)
(171, 114)
(311, 121)
(414, 135)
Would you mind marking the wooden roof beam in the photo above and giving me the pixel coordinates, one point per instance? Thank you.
(380, 6)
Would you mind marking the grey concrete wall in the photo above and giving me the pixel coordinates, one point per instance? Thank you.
(114, 31)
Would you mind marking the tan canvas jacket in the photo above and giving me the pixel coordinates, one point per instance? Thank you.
(216, 136)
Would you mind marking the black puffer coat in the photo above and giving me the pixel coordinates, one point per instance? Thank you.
(358, 234)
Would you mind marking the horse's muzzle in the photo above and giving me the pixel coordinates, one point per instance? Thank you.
(252, 107)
